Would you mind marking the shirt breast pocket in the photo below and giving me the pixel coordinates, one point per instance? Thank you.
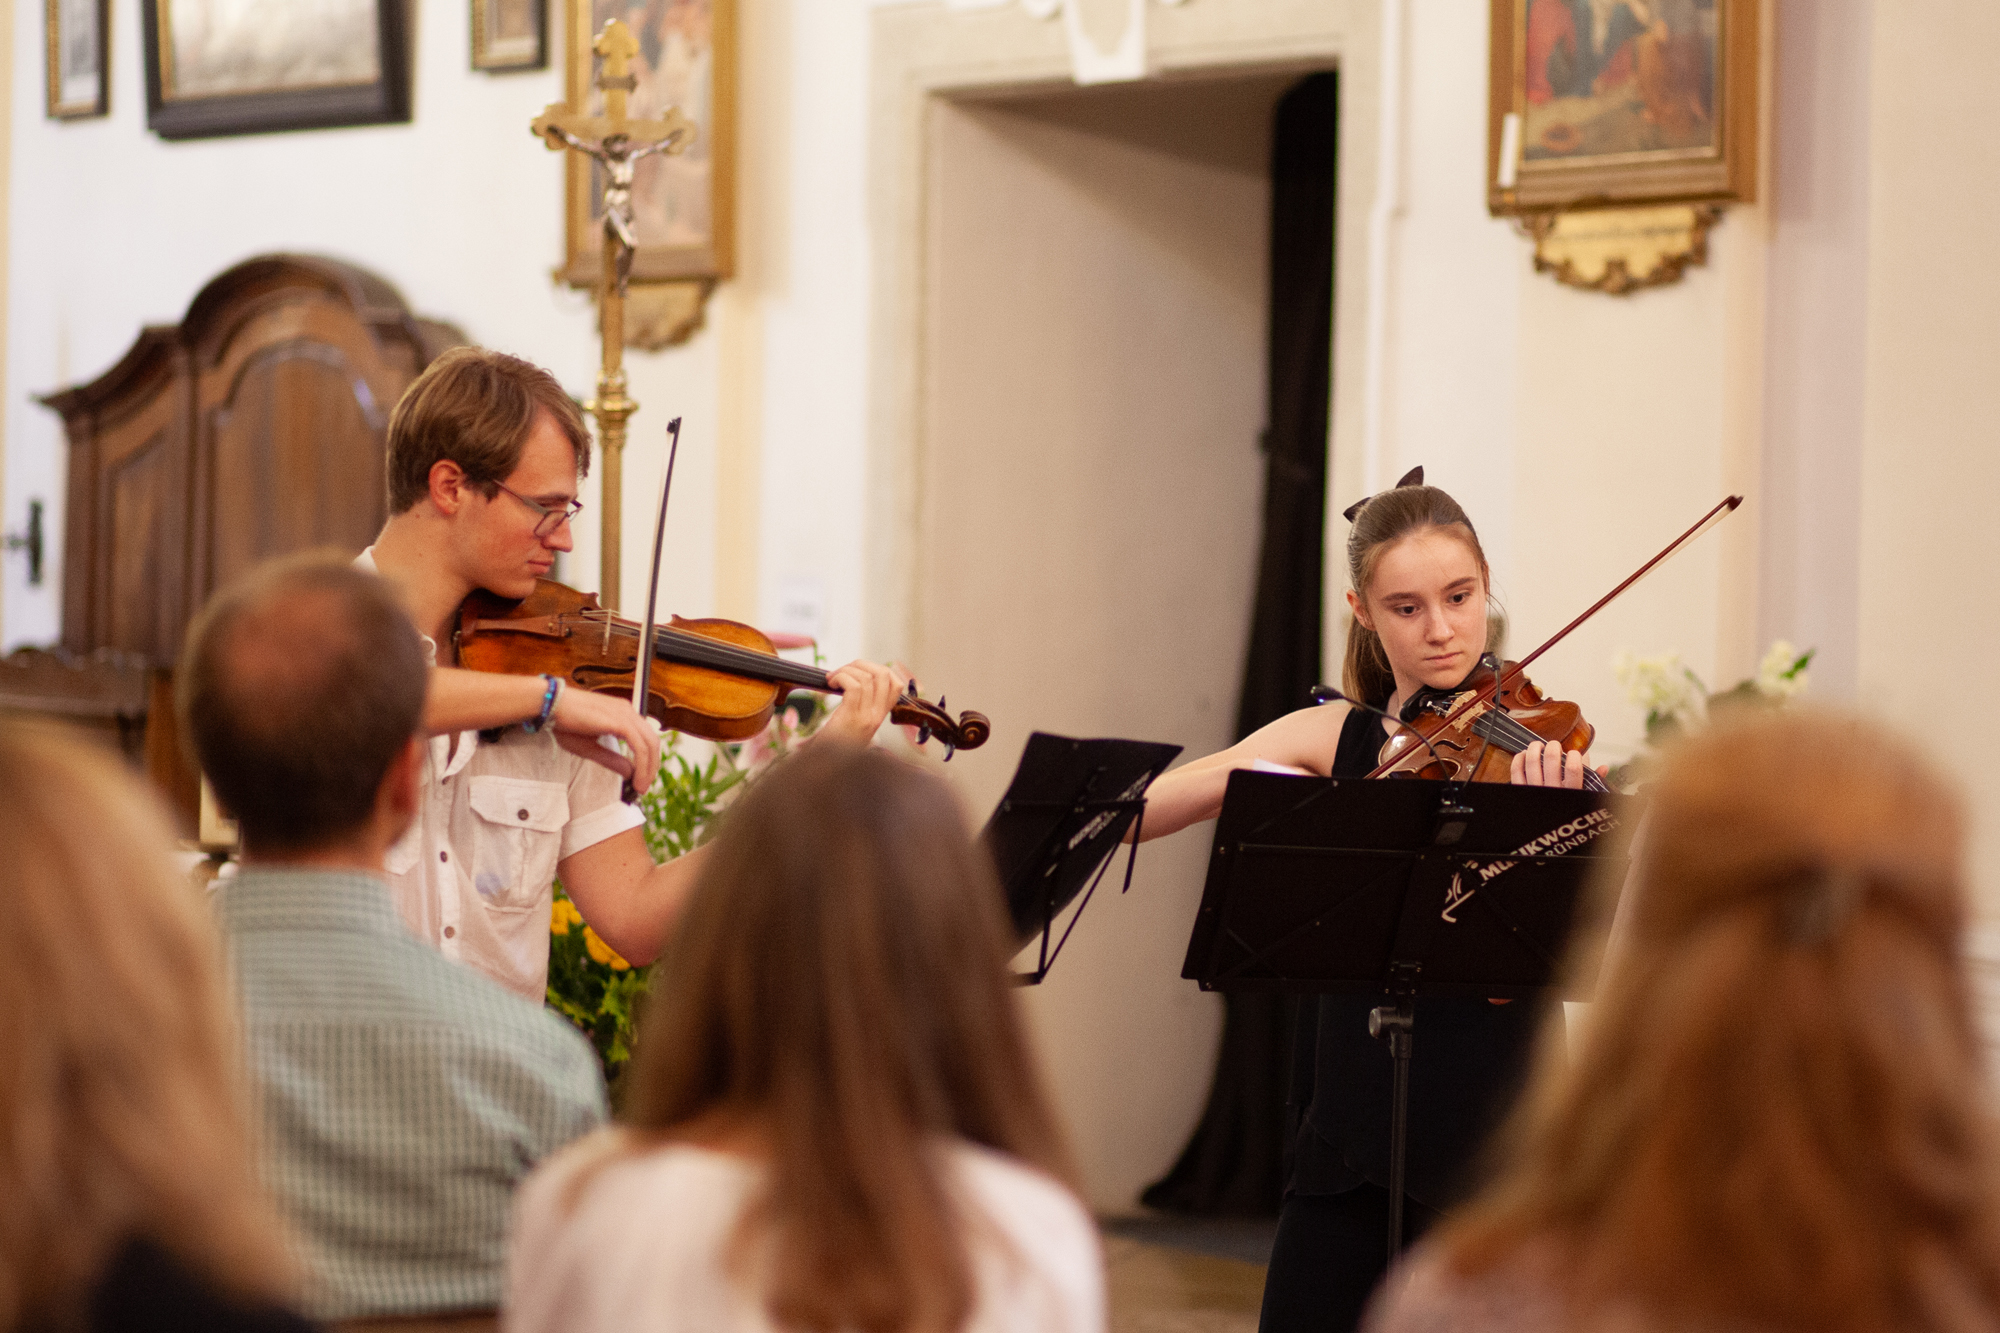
(516, 838)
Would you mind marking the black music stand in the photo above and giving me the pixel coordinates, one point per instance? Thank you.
(1399, 887)
(1056, 828)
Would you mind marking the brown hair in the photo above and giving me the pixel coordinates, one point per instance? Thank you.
(840, 982)
(475, 408)
(298, 686)
(121, 1112)
(1778, 1115)
(1379, 522)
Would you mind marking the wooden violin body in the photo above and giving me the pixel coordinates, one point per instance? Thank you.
(716, 679)
(1475, 737)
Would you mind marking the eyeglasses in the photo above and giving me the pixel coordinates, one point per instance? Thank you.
(551, 518)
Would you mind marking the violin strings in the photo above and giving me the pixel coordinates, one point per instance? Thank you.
(1502, 729)
(699, 651)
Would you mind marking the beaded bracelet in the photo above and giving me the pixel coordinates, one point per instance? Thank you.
(548, 705)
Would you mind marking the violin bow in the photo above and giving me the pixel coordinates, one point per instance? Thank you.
(642, 674)
(1706, 521)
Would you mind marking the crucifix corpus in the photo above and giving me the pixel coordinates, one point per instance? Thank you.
(617, 144)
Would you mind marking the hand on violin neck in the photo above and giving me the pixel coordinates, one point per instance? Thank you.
(868, 691)
(582, 719)
(1548, 764)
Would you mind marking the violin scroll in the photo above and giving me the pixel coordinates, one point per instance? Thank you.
(967, 732)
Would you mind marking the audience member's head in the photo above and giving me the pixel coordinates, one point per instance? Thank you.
(300, 688)
(1777, 1113)
(121, 1113)
(838, 988)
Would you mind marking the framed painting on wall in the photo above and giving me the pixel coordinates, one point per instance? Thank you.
(216, 67)
(682, 204)
(77, 69)
(509, 35)
(1601, 103)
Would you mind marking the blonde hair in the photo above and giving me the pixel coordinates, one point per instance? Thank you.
(121, 1112)
(1778, 1114)
(840, 981)
(1380, 522)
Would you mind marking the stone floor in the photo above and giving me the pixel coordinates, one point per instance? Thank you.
(1174, 1276)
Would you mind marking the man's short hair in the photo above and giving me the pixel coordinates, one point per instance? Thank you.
(475, 408)
(299, 685)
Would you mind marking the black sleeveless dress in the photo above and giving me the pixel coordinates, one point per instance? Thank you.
(1470, 1060)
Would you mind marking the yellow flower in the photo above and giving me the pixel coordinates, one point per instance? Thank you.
(563, 916)
(601, 951)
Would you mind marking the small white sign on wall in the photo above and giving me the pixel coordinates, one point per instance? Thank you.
(801, 606)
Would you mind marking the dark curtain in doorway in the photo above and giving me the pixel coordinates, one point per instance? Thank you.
(1235, 1163)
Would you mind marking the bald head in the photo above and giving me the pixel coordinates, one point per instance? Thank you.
(298, 687)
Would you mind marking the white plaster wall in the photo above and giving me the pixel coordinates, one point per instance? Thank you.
(1455, 286)
(1817, 347)
(1930, 479)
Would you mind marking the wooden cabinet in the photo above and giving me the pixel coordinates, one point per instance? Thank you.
(255, 427)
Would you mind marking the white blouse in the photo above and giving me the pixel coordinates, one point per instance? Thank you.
(642, 1247)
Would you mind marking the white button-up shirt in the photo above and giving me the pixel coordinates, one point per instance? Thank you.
(473, 877)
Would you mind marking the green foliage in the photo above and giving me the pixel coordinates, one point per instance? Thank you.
(681, 806)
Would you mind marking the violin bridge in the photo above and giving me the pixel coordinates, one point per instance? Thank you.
(603, 617)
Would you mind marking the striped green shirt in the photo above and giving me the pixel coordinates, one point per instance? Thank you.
(404, 1096)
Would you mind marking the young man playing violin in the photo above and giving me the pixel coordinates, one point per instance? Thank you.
(1419, 599)
(485, 456)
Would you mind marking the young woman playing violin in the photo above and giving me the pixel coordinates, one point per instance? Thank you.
(1419, 599)
(485, 454)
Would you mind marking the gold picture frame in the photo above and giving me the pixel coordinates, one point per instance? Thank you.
(1611, 103)
(510, 35)
(78, 34)
(684, 203)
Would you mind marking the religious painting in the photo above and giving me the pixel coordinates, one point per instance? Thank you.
(509, 35)
(217, 67)
(78, 82)
(682, 203)
(1596, 103)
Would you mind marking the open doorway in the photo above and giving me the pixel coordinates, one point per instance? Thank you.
(1090, 490)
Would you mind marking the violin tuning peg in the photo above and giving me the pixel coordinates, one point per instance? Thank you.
(949, 751)
(923, 736)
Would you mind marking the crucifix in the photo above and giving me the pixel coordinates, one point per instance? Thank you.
(617, 144)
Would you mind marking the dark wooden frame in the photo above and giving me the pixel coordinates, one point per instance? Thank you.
(1725, 174)
(385, 101)
(52, 42)
(584, 237)
(485, 61)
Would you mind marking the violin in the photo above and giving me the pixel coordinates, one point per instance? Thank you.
(1475, 739)
(1475, 734)
(716, 679)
